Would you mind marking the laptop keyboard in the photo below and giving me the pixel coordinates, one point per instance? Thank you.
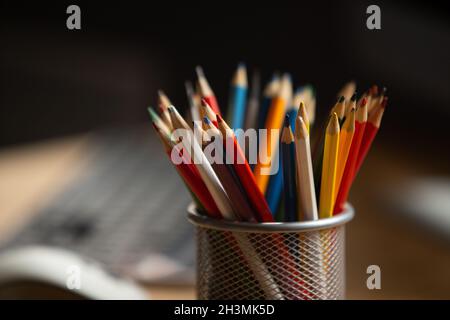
(126, 209)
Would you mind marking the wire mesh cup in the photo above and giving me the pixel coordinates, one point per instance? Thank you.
(274, 261)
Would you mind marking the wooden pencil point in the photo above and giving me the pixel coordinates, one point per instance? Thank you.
(199, 71)
(361, 113)
(333, 125)
(301, 131)
(349, 123)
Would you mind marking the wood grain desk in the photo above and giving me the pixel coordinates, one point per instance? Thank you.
(414, 264)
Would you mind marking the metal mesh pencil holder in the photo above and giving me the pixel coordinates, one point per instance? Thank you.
(275, 261)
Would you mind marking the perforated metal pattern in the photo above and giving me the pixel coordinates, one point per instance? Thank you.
(285, 265)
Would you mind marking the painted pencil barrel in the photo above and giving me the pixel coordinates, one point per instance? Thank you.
(238, 103)
(297, 260)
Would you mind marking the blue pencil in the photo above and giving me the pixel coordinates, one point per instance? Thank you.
(238, 98)
(289, 174)
(275, 188)
(273, 192)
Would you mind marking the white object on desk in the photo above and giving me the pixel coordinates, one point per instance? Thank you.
(60, 268)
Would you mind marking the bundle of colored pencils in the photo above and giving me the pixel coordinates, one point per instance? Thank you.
(291, 183)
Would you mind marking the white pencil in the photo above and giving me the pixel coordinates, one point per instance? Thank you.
(305, 177)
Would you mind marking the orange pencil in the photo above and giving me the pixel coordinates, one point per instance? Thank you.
(347, 178)
(275, 118)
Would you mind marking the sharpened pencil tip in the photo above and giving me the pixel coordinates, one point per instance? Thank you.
(384, 102)
(363, 102)
(374, 90)
(341, 99)
(199, 71)
(287, 121)
(153, 115)
(353, 98)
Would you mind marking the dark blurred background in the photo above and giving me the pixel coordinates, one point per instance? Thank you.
(57, 82)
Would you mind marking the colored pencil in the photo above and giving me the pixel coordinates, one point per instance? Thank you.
(244, 173)
(270, 92)
(347, 90)
(289, 174)
(212, 182)
(214, 186)
(329, 165)
(164, 104)
(351, 104)
(345, 142)
(317, 157)
(193, 104)
(158, 121)
(306, 95)
(238, 98)
(253, 102)
(339, 108)
(207, 111)
(303, 113)
(206, 91)
(230, 182)
(376, 101)
(190, 176)
(274, 121)
(370, 131)
(177, 120)
(275, 187)
(307, 204)
(348, 175)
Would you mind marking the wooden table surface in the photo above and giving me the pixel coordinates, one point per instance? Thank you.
(414, 264)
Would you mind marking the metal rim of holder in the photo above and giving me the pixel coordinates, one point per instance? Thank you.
(275, 227)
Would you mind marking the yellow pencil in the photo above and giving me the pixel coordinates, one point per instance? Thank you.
(329, 165)
(275, 118)
(339, 108)
(345, 142)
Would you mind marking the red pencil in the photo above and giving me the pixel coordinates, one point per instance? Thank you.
(188, 172)
(207, 111)
(349, 171)
(245, 174)
(206, 91)
(372, 126)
